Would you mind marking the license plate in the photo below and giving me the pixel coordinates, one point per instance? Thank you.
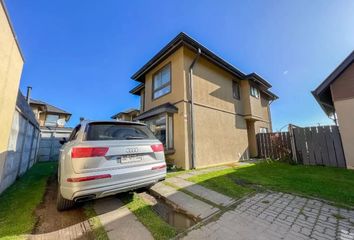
(130, 158)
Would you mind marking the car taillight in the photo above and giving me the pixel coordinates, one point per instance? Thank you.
(84, 152)
(89, 178)
(157, 148)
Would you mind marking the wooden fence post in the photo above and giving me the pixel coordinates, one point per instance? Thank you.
(292, 143)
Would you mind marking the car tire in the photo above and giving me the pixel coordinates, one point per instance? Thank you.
(62, 203)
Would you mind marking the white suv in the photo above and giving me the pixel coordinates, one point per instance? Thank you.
(103, 158)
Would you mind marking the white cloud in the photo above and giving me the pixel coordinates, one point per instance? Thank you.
(285, 72)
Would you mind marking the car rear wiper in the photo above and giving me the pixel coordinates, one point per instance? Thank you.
(131, 137)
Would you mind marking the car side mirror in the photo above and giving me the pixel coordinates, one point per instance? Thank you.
(63, 141)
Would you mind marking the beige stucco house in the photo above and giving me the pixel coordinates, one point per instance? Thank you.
(127, 115)
(48, 115)
(204, 110)
(336, 97)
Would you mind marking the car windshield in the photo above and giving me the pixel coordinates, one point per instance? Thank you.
(117, 131)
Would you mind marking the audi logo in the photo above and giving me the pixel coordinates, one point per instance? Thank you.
(131, 150)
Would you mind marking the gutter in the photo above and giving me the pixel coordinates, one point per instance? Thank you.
(192, 125)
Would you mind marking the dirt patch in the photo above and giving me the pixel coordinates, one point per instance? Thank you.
(50, 220)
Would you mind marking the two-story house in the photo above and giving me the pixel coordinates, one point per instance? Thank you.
(127, 115)
(49, 115)
(204, 110)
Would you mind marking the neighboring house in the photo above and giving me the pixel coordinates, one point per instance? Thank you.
(49, 115)
(19, 131)
(52, 122)
(336, 97)
(127, 115)
(205, 111)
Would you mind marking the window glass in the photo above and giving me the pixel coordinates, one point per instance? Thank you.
(162, 82)
(74, 133)
(117, 131)
(254, 92)
(263, 130)
(162, 128)
(236, 90)
(51, 120)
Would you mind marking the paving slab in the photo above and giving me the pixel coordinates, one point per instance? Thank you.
(191, 206)
(119, 222)
(205, 193)
(275, 215)
(76, 231)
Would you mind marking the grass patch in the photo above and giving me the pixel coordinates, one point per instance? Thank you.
(333, 184)
(338, 216)
(97, 228)
(18, 202)
(159, 229)
(219, 182)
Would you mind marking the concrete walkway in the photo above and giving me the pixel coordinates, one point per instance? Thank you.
(200, 191)
(119, 222)
(184, 202)
(77, 231)
(280, 216)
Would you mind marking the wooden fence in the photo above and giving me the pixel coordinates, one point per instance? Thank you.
(274, 145)
(310, 145)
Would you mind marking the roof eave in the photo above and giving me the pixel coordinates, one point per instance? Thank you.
(178, 41)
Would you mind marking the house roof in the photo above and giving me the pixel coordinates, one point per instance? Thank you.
(49, 107)
(137, 89)
(183, 39)
(25, 109)
(164, 108)
(323, 92)
(130, 110)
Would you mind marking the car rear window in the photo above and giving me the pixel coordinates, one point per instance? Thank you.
(117, 131)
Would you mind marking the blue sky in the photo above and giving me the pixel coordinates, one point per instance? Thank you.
(80, 54)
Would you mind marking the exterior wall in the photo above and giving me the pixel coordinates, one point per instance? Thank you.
(345, 114)
(180, 157)
(177, 83)
(343, 87)
(343, 97)
(220, 128)
(11, 64)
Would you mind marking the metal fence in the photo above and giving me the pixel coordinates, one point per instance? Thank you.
(49, 145)
(320, 145)
(23, 144)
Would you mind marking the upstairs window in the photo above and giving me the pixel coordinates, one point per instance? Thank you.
(236, 90)
(161, 84)
(254, 92)
(51, 120)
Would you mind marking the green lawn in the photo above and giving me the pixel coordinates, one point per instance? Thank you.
(18, 202)
(159, 229)
(332, 184)
(220, 182)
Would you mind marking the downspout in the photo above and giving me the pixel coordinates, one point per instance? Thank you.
(192, 106)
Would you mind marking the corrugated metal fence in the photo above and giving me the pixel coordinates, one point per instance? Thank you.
(320, 145)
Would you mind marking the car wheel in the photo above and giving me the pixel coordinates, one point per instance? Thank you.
(62, 203)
